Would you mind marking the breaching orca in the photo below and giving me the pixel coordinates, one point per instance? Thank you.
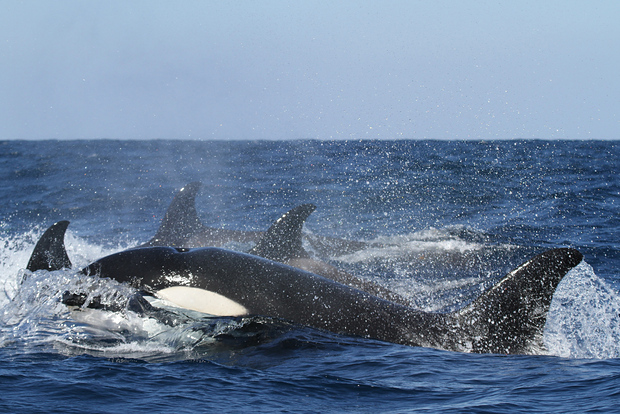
(508, 318)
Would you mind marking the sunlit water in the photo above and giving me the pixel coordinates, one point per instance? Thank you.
(451, 218)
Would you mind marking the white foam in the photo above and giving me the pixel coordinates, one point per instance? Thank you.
(18, 248)
(431, 240)
(583, 320)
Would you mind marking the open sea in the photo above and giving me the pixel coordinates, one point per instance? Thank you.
(449, 219)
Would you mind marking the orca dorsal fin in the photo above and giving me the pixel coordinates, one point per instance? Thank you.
(282, 241)
(50, 253)
(510, 317)
(181, 220)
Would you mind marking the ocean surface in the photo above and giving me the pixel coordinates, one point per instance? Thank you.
(449, 220)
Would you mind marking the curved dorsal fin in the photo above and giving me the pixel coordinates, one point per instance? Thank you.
(283, 239)
(181, 220)
(511, 316)
(49, 253)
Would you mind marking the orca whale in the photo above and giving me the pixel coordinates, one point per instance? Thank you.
(508, 318)
(181, 227)
(282, 242)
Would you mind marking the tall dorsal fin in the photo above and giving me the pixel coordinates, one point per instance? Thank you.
(50, 253)
(181, 220)
(283, 239)
(511, 316)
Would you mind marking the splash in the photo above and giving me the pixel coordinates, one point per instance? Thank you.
(17, 249)
(435, 270)
(584, 319)
(31, 312)
(34, 319)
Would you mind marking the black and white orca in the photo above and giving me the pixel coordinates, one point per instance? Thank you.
(508, 318)
(282, 242)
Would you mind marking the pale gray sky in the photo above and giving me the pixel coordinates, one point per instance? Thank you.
(309, 69)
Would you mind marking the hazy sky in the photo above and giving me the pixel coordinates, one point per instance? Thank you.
(311, 69)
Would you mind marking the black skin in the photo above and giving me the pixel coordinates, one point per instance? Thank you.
(509, 318)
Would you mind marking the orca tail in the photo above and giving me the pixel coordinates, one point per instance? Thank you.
(50, 253)
(510, 317)
(282, 241)
(181, 220)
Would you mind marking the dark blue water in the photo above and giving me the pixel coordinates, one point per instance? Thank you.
(456, 217)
